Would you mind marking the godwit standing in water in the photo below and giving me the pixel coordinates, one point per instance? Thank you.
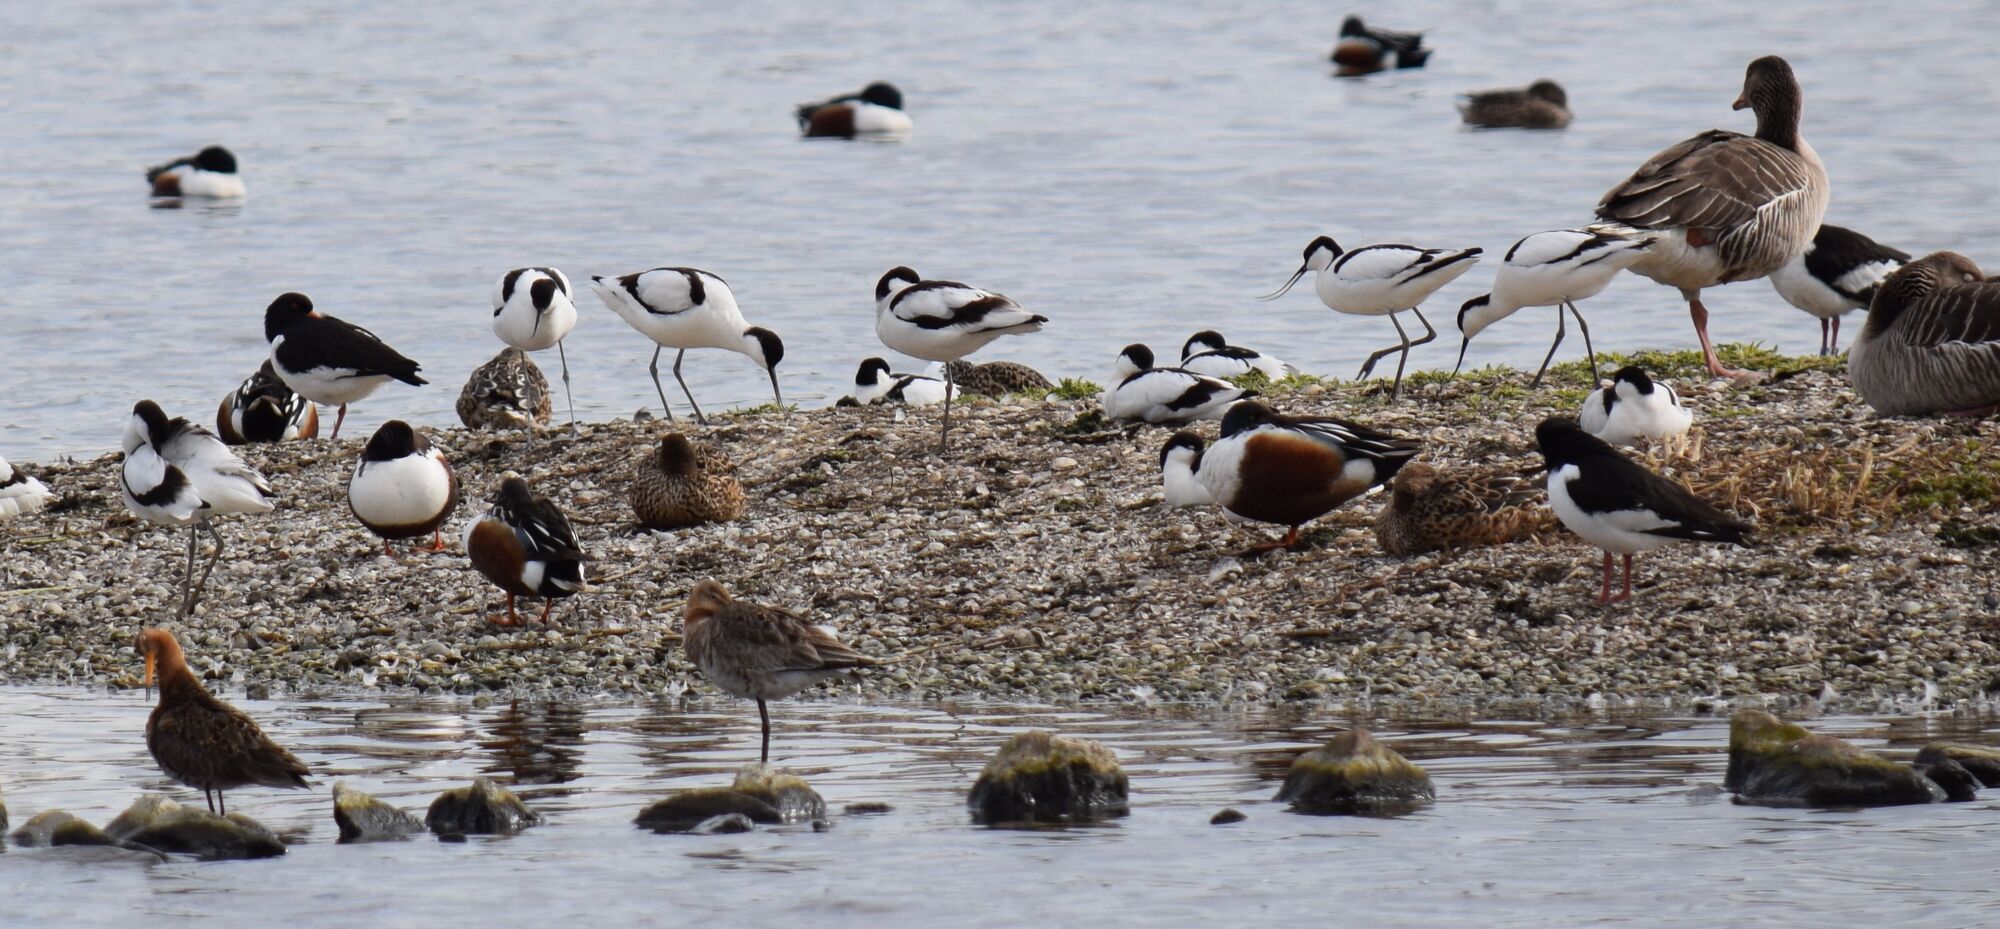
(203, 742)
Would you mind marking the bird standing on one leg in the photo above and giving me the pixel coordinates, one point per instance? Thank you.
(944, 321)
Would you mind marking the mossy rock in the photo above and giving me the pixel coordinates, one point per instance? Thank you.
(157, 822)
(1037, 777)
(363, 818)
(759, 794)
(1777, 763)
(483, 808)
(724, 824)
(1352, 774)
(51, 828)
(1978, 760)
(1958, 784)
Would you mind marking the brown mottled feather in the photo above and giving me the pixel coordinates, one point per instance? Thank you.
(684, 483)
(759, 652)
(996, 378)
(507, 392)
(203, 742)
(1430, 509)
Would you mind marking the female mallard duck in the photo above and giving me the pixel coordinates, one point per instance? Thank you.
(1932, 341)
(685, 483)
(1541, 105)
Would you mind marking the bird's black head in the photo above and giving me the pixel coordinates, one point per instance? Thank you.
(770, 350)
(1325, 244)
(883, 93)
(1351, 26)
(1246, 414)
(1139, 355)
(154, 419)
(1207, 340)
(1563, 441)
(285, 311)
(542, 292)
(1180, 440)
(215, 158)
(1550, 91)
(871, 371)
(896, 279)
(394, 440)
(1635, 376)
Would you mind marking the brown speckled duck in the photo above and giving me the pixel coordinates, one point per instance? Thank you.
(508, 392)
(201, 741)
(1431, 509)
(684, 483)
(1541, 105)
(997, 378)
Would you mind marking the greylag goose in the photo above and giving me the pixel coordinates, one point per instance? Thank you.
(1932, 341)
(1837, 274)
(1727, 206)
(1541, 105)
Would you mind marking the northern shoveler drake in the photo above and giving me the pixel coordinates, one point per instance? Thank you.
(1619, 506)
(178, 474)
(874, 384)
(1724, 206)
(685, 483)
(402, 488)
(1364, 50)
(1555, 268)
(684, 308)
(1836, 275)
(877, 111)
(944, 321)
(209, 173)
(1206, 352)
(995, 378)
(1932, 341)
(507, 392)
(760, 652)
(1164, 396)
(1381, 280)
(1633, 407)
(203, 742)
(1432, 508)
(1541, 105)
(21, 494)
(532, 310)
(329, 360)
(1291, 470)
(525, 546)
(263, 409)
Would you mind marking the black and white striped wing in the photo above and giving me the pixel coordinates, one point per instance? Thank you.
(670, 291)
(1851, 263)
(1355, 440)
(951, 305)
(543, 530)
(1397, 264)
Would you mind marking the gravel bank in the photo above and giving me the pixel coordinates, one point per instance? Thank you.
(1037, 562)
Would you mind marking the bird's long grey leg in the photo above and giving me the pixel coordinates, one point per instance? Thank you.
(684, 388)
(655, 368)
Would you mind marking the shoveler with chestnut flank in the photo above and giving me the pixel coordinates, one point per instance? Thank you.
(944, 321)
(525, 546)
(209, 173)
(1836, 275)
(1291, 470)
(20, 494)
(507, 392)
(203, 742)
(1180, 466)
(263, 409)
(1206, 352)
(532, 310)
(1381, 280)
(1362, 50)
(329, 360)
(874, 384)
(178, 474)
(684, 308)
(1633, 407)
(1619, 506)
(402, 488)
(760, 652)
(1541, 105)
(1168, 396)
(1932, 341)
(995, 378)
(877, 111)
(685, 483)
(1555, 268)
(1726, 206)
(1431, 509)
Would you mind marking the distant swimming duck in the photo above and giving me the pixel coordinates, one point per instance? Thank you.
(1164, 396)
(684, 483)
(525, 546)
(1290, 470)
(876, 111)
(1633, 407)
(1932, 341)
(996, 378)
(1837, 274)
(1381, 280)
(19, 493)
(1541, 105)
(1431, 509)
(1180, 463)
(532, 310)
(263, 409)
(1555, 268)
(201, 741)
(209, 173)
(1206, 352)
(507, 392)
(1362, 50)
(178, 474)
(1615, 504)
(330, 360)
(402, 488)
(874, 384)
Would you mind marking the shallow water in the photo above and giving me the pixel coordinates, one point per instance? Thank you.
(1585, 820)
(1132, 173)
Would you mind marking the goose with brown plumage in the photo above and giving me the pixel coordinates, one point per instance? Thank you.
(1932, 341)
(1726, 206)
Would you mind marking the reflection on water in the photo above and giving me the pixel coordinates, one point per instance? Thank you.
(1603, 817)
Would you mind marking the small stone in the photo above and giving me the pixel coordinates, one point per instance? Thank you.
(363, 818)
(1354, 774)
(759, 793)
(484, 808)
(51, 828)
(1227, 815)
(866, 809)
(1039, 777)
(1064, 463)
(1978, 760)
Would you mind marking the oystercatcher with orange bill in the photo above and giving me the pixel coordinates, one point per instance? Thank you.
(329, 360)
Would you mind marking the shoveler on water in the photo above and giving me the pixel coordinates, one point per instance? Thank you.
(209, 173)
(876, 111)
(525, 546)
(1365, 50)
(203, 742)
(1541, 105)
(1291, 470)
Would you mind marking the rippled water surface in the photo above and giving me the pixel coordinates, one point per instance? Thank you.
(1588, 821)
(1132, 171)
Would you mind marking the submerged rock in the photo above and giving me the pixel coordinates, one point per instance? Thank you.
(363, 818)
(3, 811)
(760, 794)
(1354, 774)
(1958, 784)
(1226, 816)
(867, 808)
(1978, 760)
(51, 828)
(1775, 762)
(1039, 777)
(484, 808)
(725, 824)
(158, 822)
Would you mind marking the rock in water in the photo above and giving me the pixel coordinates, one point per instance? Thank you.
(485, 808)
(1226, 816)
(51, 828)
(1354, 774)
(363, 818)
(3, 812)
(157, 822)
(1978, 760)
(760, 795)
(1043, 778)
(725, 824)
(1958, 784)
(1777, 763)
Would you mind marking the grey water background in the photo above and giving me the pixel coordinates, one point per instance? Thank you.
(1133, 171)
